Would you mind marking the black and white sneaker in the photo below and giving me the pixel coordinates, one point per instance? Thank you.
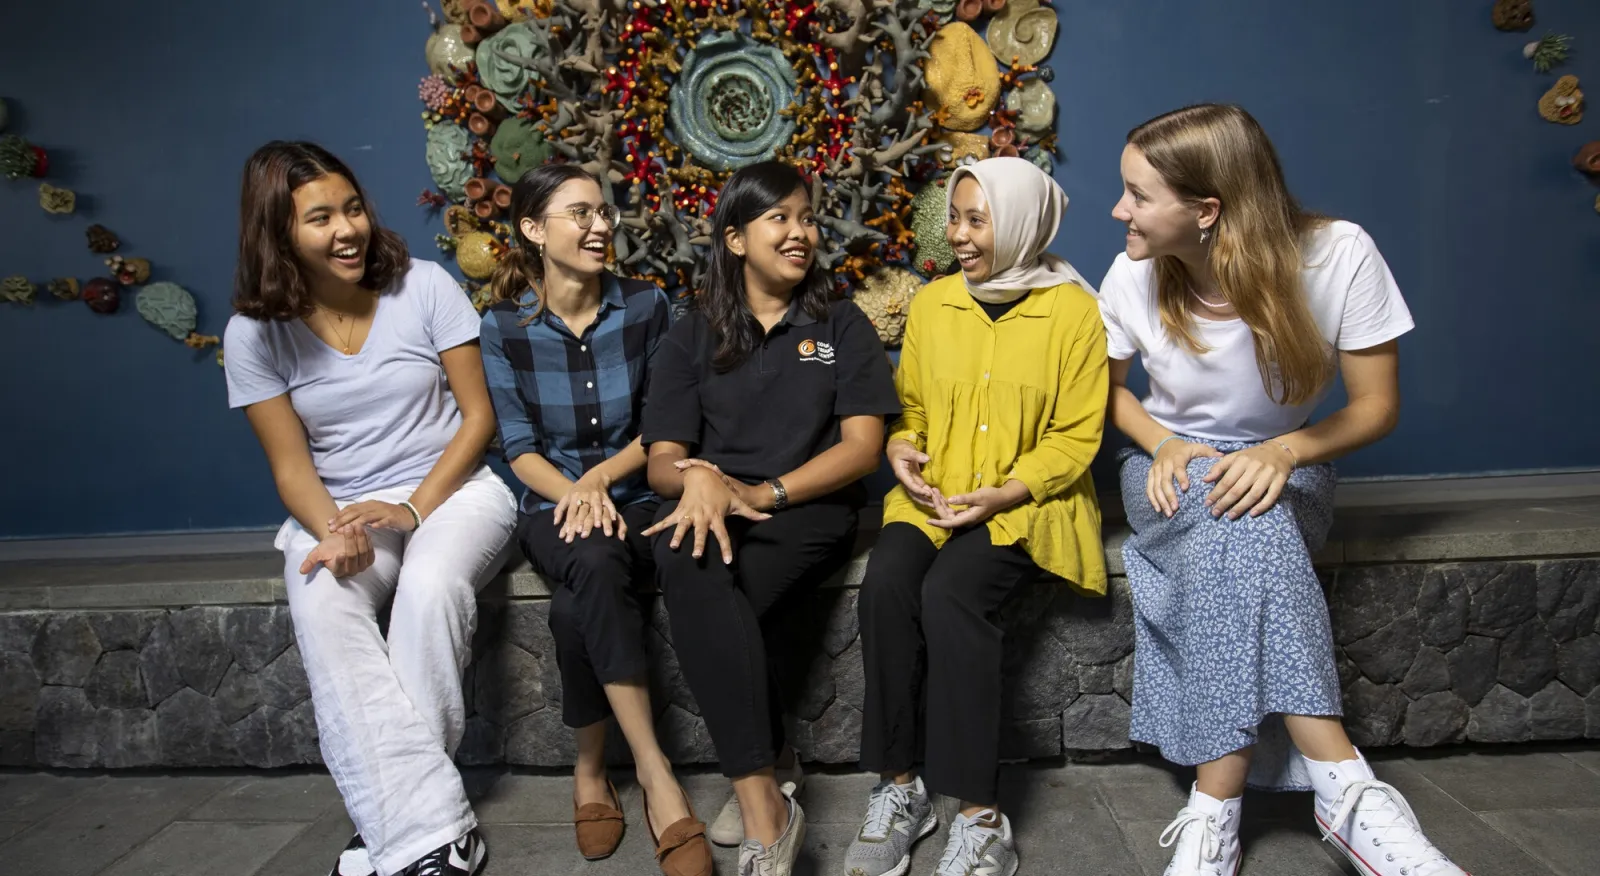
(353, 861)
(464, 857)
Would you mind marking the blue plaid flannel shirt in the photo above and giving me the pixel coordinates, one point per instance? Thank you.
(576, 400)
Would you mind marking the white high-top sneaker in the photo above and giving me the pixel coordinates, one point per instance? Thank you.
(1206, 833)
(1372, 823)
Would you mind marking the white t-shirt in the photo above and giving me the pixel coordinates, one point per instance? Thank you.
(1218, 394)
(381, 417)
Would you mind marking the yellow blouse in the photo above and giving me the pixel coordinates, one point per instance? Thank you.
(1023, 397)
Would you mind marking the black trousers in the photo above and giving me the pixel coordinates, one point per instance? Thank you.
(596, 616)
(718, 614)
(932, 609)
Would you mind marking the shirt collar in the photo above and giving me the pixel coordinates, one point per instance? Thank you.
(796, 314)
(1037, 303)
(610, 297)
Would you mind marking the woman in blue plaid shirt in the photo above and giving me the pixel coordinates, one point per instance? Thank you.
(567, 348)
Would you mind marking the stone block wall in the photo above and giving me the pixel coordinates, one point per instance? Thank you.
(1428, 654)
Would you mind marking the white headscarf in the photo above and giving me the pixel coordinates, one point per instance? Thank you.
(1025, 206)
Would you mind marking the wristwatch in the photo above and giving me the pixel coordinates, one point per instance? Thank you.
(780, 496)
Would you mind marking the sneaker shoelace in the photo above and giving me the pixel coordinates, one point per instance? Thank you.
(1210, 846)
(968, 839)
(889, 802)
(754, 860)
(1399, 832)
(432, 865)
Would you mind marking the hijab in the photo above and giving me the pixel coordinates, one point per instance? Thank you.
(1025, 206)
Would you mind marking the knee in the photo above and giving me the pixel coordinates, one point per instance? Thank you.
(946, 604)
(888, 593)
(432, 589)
(598, 561)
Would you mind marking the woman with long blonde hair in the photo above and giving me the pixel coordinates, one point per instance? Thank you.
(1243, 308)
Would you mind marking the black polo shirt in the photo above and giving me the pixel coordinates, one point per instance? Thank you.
(782, 405)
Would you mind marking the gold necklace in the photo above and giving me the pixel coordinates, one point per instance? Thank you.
(347, 335)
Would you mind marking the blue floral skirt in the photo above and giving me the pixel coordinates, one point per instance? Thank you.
(1230, 623)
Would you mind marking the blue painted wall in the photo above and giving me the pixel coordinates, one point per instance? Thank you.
(1416, 120)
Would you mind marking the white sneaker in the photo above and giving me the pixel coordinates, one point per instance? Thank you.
(1206, 833)
(976, 848)
(756, 859)
(1371, 822)
(728, 828)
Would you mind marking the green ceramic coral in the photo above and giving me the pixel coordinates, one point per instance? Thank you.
(928, 221)
(518, 147)
(168, 307)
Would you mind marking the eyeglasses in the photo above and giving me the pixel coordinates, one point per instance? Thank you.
(583, 214)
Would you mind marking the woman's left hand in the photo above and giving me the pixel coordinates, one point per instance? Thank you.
(378, 515)
(981, 504)
(588, 505)
(757, 496)
(1248, 481)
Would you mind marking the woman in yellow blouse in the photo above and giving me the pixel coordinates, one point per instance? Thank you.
(1003, 381)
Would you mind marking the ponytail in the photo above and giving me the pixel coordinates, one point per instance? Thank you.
(518, 271)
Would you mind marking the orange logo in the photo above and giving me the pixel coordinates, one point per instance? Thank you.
(808, 347)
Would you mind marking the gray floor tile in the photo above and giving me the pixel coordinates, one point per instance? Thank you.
(1589, 760)
(314, 851)
(31, 796)
(1142, 791)
(303, 798)
(1512, 780)
(1453, 828)
(509, 798)
(523, 849)
(98, 828)
(837, 799)
(1270, 849)
(1062, 823)
(190, 848)
(9, 829)
(1567, 841)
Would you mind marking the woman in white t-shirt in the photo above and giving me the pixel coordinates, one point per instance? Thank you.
(1244, 308)
(358, 368)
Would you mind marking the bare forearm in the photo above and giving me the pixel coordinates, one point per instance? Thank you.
(307, 499)
(665, 478)
(540, 476)
(827, 472)
(1132, 420)
(628, 461)
(1361, 422)
(460, 459)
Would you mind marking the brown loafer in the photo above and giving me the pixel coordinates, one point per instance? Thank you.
(682, 849)
(599, 827)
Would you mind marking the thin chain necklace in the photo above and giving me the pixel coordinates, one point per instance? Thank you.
(341, 318)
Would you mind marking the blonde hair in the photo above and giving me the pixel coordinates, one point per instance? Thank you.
(1220, 151)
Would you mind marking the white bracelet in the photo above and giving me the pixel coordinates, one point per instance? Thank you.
(415, 515)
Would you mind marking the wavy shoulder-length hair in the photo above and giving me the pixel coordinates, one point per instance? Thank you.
(1257, 250)
(269, 281)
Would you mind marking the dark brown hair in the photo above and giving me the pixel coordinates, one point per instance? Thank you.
(748, 194)
(522, 266)
(269, 282)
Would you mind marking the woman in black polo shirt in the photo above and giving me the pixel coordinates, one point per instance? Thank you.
(782, 393)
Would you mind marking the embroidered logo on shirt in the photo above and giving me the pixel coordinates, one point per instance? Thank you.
(811, 351)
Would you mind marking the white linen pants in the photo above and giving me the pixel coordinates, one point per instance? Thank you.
(390, 714)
